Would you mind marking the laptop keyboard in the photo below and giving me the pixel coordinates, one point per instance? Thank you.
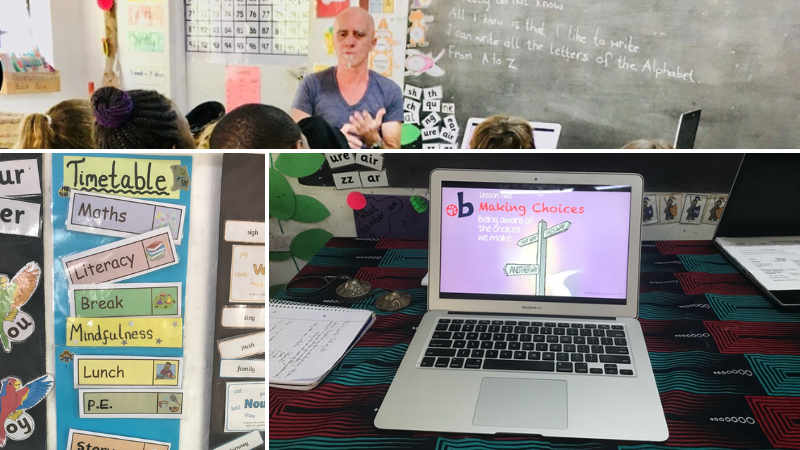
(558, 347)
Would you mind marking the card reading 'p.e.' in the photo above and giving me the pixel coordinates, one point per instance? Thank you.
(123, 259)
(130, 404)
(121, 216)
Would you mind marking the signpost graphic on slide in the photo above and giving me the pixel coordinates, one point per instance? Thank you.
(541, 253)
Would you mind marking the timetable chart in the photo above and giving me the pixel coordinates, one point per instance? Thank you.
(265, 27)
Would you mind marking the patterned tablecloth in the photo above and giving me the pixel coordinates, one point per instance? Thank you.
(726, 360)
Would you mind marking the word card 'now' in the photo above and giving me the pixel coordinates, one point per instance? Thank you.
(123, 259)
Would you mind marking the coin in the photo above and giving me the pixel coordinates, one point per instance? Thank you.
(393, 301)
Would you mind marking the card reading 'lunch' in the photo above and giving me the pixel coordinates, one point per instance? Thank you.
(123, 259)
(95, 371)
(126, 332)
(121, 216)
(123, 403)
(125, 300)
(88, 440)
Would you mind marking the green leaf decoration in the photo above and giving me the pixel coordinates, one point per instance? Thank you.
(419, 203)
(306, 244)
(309, 210)
(275, 289)
(279, 256)
(298, 165)
(281, 196)
(410, 134)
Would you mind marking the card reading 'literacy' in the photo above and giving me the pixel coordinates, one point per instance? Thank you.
(243, 317)
(242, 346)
(130, 404)
(121, 216)
(88, 440)
(248, 232)
(248, 274)
(242, 368)
(123, 259)
(94, 371)
(244, 406)
(125, 300)
(244, 442)
(126, 332)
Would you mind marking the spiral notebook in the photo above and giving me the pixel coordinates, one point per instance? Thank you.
(307, 341)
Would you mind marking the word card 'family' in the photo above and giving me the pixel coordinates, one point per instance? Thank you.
(242, 368)
(125, 300)
(248, 274)
(123, 259)
(87, 440)
(139, 404)
(95, 371)
(122, 217)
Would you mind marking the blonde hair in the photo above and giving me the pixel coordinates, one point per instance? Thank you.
(647, 144)
(503, 132)
(66, 125)
(204, 139)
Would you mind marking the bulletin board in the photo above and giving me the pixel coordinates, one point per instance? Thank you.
(66, 243)
(241, 200)
(23, 359)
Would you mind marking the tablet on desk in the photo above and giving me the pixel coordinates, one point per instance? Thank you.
(687, 130)
(545, 135)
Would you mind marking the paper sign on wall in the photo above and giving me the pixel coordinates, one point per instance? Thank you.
(374, 179)
(249, 232)
(127, 371)
(125, 300)
(245, 442)
(127, 177)
(243, 317)
(347, 180)
(244, 406)
(336, 160)
(18, 425)
(19, 177)
(371, 160)
(242, 86)
(21, 218)
(125, 332)
(248, 274)
(122, 403)
(87, 440)
(123, 259)
(122, 217)
(242, 368)
(242, 346)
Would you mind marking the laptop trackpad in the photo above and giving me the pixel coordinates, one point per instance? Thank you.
(522, 403)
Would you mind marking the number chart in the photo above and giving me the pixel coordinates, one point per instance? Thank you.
(262, 27)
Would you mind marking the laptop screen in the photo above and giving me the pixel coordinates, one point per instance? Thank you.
(492, 246)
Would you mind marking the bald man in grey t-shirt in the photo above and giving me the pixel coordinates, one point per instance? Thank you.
(366, 106)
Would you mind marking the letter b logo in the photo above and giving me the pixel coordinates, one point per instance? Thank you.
(462, 205)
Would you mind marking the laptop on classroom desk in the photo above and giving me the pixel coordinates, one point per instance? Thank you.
(533, 299)
(759, 230)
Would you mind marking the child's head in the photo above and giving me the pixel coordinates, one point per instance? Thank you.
(67, 125)
(138, 119)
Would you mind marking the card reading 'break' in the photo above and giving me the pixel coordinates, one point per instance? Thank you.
(125, 300)
(123, 259)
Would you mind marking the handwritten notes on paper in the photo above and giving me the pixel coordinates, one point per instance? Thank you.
(128, 177)
(127, 371)
(123, 259)
(125, 332)
(242, 86)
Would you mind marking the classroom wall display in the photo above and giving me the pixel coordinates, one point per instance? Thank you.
(22, 310)
(143, 30)
(114, 337)
(391, 216)
(85, 440)
(265, 31)
(609, 79)
(240, 347)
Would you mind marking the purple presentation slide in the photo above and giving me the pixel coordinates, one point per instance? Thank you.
(490, 242)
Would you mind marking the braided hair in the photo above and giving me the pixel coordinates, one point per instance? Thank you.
(134, 119)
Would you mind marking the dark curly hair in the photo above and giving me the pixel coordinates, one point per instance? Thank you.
(134, 119)
(255, 126)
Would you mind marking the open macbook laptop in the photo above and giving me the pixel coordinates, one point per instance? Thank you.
(545, 135)
(533, 298)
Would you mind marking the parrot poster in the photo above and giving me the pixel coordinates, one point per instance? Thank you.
(15, 399)
(16, 325)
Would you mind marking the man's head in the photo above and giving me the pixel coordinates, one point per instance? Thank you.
(353, 36)
(256, 126)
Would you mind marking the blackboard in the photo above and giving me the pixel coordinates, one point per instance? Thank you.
(736, 60)
(662, 172)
